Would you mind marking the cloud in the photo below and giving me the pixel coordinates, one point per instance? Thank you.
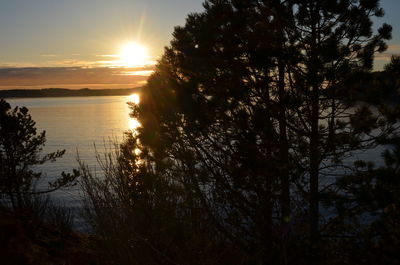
(49, 55)
(73, 77)
(16, 65)
(69, 62)
(138, 72)
(393, 49)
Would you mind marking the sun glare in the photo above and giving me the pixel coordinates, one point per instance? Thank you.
(133, 122)
(133, 54)
(134, 98)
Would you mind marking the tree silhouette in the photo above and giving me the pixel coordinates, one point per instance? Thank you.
(209, 107)
(247, 120)
(367, 205)
(330, 41)
(20, 150)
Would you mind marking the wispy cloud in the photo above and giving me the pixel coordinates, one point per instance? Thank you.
(138, 72)
(71, 62)
(49, 55)
(16, 65)
(115, 60)
(393, 49)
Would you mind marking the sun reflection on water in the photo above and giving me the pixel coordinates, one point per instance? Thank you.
(133, 123)
(134, 98)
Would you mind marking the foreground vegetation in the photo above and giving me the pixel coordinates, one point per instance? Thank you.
(43, 238)
(33, 229)
(250, 126)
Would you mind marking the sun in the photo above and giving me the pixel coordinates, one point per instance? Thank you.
(133, 54)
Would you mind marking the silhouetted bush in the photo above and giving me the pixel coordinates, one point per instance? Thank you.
(141, 218)
(40, 209)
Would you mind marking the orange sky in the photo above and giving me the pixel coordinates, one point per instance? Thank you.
(73, 77)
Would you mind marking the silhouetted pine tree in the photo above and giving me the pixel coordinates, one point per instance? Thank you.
(253, 94)
(211, 111)
(330, 41)
(21, 149)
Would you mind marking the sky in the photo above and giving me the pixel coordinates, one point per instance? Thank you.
(73, 40)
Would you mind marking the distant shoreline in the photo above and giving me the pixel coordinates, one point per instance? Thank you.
(64, 92)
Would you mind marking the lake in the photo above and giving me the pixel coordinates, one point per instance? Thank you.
(76, 124)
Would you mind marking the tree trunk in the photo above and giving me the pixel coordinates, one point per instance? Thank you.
(314, 155)
(283, 147)
(314, 175)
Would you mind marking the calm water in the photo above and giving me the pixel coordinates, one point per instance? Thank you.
(76, 124)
